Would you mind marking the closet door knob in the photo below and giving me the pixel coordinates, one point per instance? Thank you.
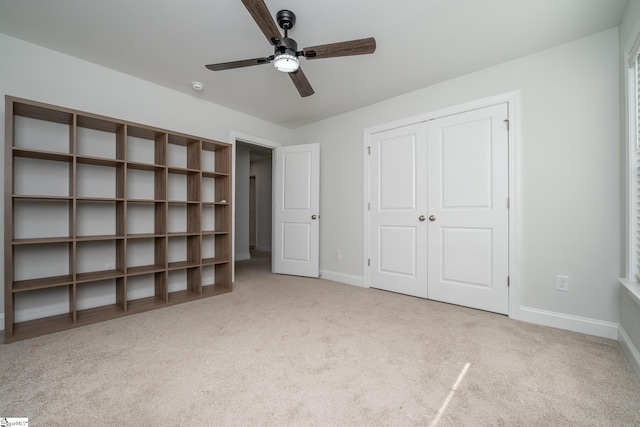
(421, 218)
(432, 218)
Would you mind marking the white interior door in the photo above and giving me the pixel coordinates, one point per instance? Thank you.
(468, 209)
(296, 202)
(398, 159)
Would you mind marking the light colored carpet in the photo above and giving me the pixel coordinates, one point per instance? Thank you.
(283, 350)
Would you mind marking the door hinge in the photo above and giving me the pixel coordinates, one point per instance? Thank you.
(506, 122)
(508, 202)
(369, 262)
(369, 150)
(508, 281)
(369, 206)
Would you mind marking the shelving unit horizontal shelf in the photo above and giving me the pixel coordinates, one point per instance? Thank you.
(42, 155)
(96, 276)
(183, 171)
(105, 218)
(98, 238)
(99, 199)
(97, 161)
(143, 236)
(145, 304)
(98, 314)
(214, 175)
(42, 240)
(145, 269)
(182, 265)
(212, 290)
(42, 326)
(214, 261)
(42, 283)
(40, 197)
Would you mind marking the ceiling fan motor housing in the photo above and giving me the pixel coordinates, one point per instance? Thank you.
(286, 19)
(287, 45)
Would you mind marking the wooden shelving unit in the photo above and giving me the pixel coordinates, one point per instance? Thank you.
(105, 218)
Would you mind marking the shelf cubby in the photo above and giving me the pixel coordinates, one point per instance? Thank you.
(106, 218)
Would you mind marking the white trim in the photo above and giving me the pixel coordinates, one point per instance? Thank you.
(633, 288)
(630, 350)
(249, 139)
(443, 112)
(263, 248)
(347, 279)
(630, 53)
(1, 321)
(243, 257)
(513, 102)
(569, 322)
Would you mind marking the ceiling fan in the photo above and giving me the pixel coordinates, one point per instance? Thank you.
(286, 54)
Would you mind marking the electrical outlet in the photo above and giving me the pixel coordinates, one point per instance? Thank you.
(109, 266)
(336, 254)
(562, 283)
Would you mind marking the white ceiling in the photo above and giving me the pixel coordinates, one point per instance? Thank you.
(419, 43)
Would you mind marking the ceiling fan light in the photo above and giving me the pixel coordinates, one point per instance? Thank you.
(286, 63)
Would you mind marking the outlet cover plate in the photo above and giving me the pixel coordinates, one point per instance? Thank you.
(562, 283)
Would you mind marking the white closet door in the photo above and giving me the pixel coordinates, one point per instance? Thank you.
(439, 222)
(398, 199)
(467, 196)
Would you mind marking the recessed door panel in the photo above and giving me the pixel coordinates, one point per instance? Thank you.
(296, 241)
(467, 256)
(397, 179)
(393, 261)
(297, 181)
(466, 165)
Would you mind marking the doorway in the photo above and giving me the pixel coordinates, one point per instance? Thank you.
(253, 201)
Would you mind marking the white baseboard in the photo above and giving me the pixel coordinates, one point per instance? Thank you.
(2, 322)
(630, 350)
(263, 248)
(242, 257)
(347, 279)
(569, 322)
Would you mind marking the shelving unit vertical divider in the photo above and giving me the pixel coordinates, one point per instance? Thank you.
(161, 242)
(121, 217)
(72, 192)
(8, 220)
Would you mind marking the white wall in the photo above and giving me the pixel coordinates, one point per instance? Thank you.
(568, 157)
(262, 170)
(567, 168)
(32, 72)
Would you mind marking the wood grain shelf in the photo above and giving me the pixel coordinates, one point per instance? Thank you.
(42, 283)
(109, 215)
(145, 269)
(42, 326)
(95, 276)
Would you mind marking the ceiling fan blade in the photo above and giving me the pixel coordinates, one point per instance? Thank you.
(302, 84)
(331, 50)
(262, 16)
(238, 64)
